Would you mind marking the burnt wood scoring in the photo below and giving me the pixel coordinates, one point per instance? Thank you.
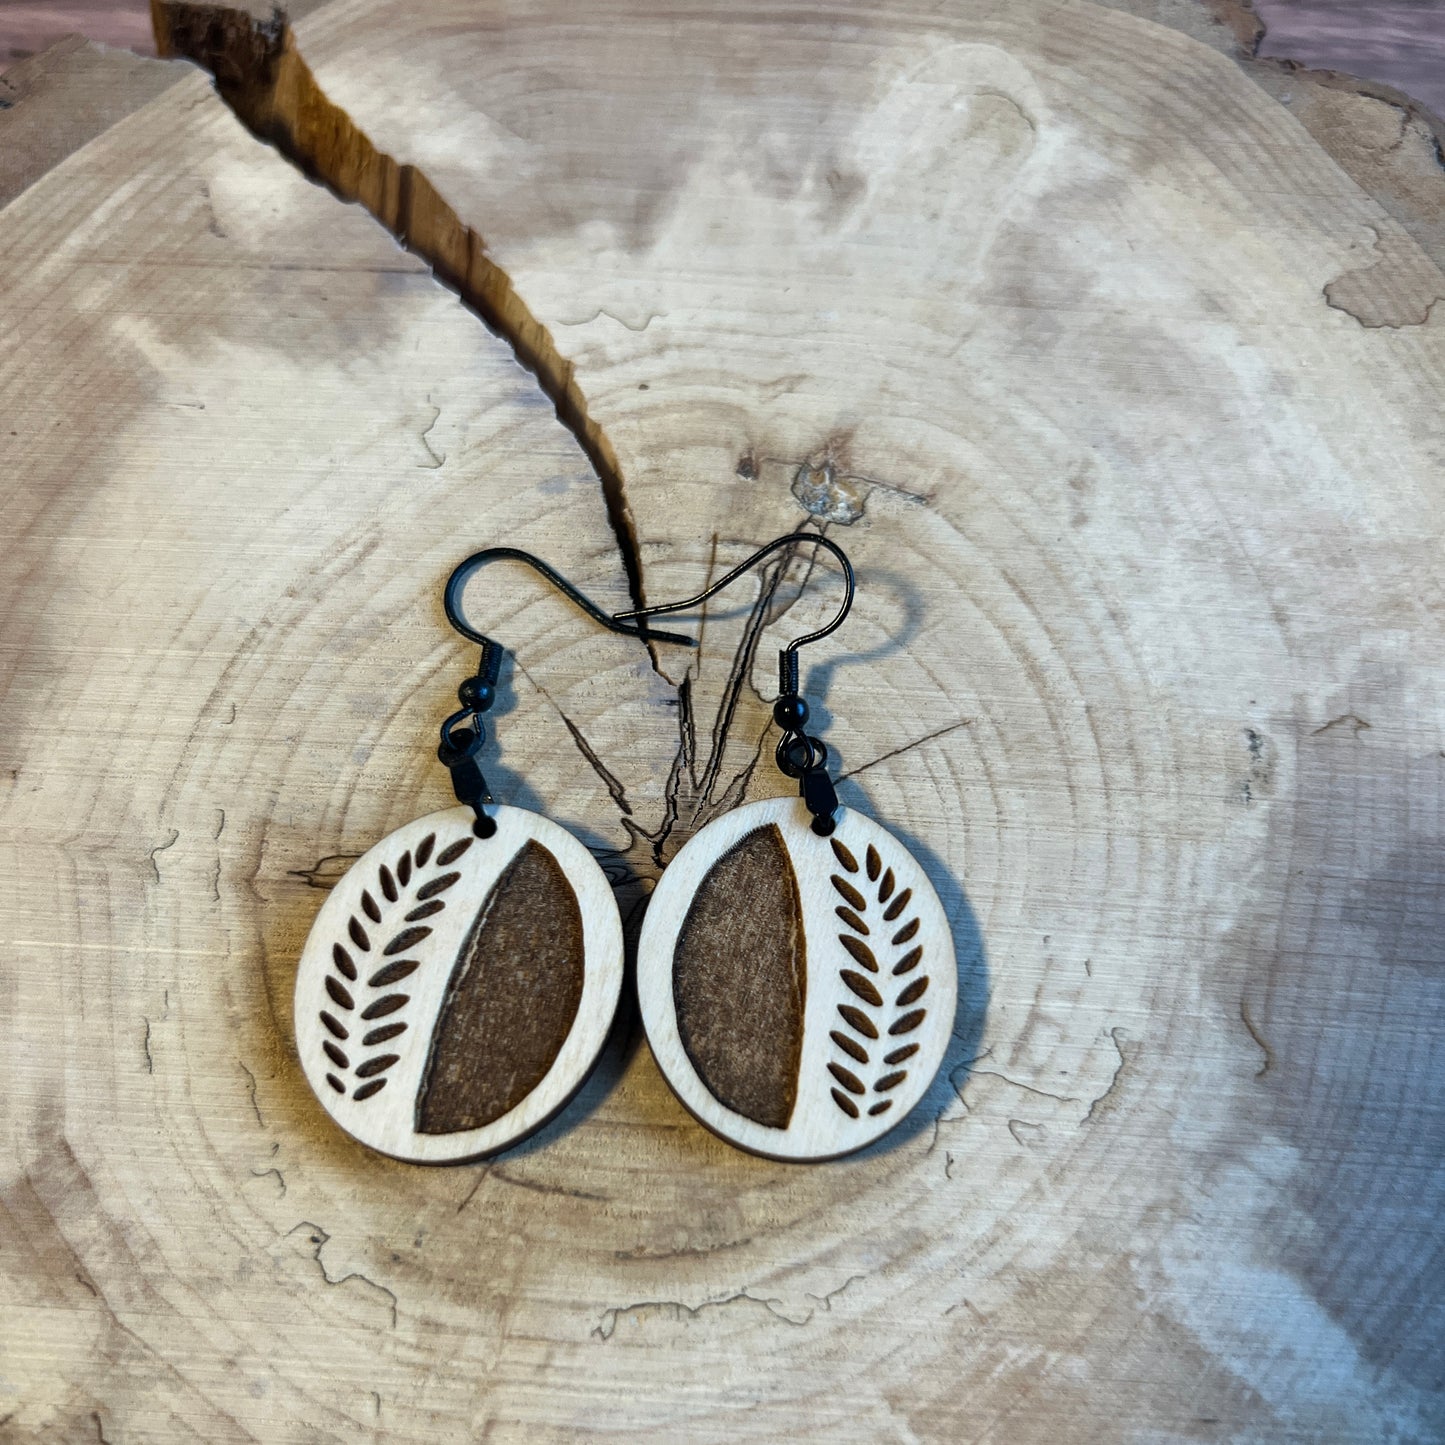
(512, 999)
(740, 979)
(877, 919)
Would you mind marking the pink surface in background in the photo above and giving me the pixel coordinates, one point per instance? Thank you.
(1400, 43)
(28, 26)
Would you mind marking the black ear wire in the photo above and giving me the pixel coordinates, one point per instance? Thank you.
(462, 572)
(792, 648)
(799, 755)
(462, 734)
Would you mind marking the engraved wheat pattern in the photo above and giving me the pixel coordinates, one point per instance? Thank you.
(362, 1016)
(877, 920)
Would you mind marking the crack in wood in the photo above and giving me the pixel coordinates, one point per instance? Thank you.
(1103, 1099)
(262, 77)
(161, 848)
(1028, 1088)
(251, 1088)
(1353, 721)
(436, 458)
(1025, 1132)
(266, 1173)
(1261, 1042)
(319, 1238)
(606, 1327)
(326, 872)
(825, 1301)
(615, 788)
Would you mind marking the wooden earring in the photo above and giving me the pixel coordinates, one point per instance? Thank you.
(458, 984)
(796, 972)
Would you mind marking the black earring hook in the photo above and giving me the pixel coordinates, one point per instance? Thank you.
(463, 733)
(799, 756)
(792, 648)
(462, 573)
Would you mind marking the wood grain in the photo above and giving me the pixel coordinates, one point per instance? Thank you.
(53, 103)
(1028, 305)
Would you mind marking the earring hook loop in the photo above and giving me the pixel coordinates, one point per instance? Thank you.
(791, 649)
(462, 574)
(799, 755)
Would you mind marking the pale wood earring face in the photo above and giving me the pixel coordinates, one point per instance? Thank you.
(455, 991)
(798, 992)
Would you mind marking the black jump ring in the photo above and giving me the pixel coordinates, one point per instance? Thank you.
(798, 754)
(451, 749)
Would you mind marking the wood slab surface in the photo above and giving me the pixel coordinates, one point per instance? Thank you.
(1121, 389)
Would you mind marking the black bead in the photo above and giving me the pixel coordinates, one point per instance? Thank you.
(477, 694)
(790, 712)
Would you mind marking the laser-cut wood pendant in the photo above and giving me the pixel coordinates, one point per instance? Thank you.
(798, 992)
(455, 991)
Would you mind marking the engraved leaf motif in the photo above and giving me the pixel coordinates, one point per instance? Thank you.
(876, 1015)
(366, 965)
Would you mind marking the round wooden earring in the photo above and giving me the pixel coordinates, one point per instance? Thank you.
(455, 991)
(460, 981)
(798, 991)
(796, 972)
